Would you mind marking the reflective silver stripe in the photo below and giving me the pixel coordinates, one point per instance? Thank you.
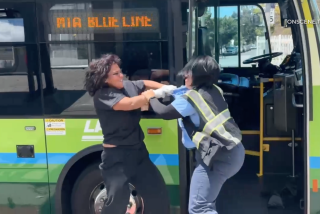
(201, 105)
(200, 138)
(216, 121)
(221, 92)
(213, 123)
(223, 133)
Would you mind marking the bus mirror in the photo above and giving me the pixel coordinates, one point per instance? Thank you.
(283, 19)
(284, 23)
(283, 4)
(201, 10)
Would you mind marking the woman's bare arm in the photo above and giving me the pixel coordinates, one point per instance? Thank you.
(149, 84)
(131, 103)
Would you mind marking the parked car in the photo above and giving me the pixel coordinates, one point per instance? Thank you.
(231, 50)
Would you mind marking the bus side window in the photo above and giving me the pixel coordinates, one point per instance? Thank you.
(19, 73)
(69, 43)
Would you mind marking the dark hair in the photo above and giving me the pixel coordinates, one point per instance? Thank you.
(98, 72)
(204, 69)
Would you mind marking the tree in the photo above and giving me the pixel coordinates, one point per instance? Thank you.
(228, 30)
(228, 27)
(209, 23)
(249, 31)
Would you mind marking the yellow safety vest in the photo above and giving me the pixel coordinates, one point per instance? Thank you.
(216, 124)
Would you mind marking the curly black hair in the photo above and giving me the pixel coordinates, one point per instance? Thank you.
(98, 72)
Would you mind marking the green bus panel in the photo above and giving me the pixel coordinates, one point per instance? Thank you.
(23, 181)
(27, 185)
(16, 132)
(81, 133)
(314, 151)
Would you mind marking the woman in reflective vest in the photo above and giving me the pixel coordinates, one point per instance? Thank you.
(207, 127)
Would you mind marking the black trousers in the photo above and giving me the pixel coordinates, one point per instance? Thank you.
(121, 166)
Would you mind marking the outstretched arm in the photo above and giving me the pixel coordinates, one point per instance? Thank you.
(177, 109)
(166, 112)
(112, 98)
(131, 103)
(143, 85)
(149, 84)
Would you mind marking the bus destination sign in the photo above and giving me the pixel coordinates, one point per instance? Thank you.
(104, 21)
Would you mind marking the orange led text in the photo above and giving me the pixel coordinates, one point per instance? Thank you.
(104, 22)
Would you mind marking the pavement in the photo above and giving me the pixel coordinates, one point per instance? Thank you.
(233, 60)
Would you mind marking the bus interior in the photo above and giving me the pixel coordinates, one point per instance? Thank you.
(265, 99)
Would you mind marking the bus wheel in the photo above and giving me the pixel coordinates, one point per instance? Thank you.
(89, 194)
(86, 188)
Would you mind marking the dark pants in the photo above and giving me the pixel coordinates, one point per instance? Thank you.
(206, 182)
(121, 166)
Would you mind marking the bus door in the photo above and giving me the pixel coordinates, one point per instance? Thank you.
(271, 90)
(23, 158)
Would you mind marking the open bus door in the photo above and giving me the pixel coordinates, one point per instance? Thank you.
(272, 88)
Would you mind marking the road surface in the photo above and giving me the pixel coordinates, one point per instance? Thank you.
(232, 61)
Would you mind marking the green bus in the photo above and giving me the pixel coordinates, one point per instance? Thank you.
(50, 143)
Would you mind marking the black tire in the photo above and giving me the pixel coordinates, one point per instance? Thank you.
(88, 180)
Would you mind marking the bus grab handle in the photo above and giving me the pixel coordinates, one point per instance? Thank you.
(294, 103)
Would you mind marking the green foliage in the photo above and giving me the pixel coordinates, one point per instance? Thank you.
(228, 30)
(228, 27)
(209, 23)
(248, 30)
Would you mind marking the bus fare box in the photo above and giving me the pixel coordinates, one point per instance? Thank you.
(285, 114)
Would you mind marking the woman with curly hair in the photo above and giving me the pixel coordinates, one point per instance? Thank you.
(125, 158)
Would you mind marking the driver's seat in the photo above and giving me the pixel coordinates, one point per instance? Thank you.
(234, 79)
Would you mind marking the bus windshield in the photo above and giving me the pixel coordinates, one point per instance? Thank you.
(240, 35)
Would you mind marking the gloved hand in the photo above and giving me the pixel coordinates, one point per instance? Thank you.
(159, 93)
(164, 91)
(168, 89)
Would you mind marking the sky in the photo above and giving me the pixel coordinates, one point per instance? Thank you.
(11, 30)
(224, 11)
